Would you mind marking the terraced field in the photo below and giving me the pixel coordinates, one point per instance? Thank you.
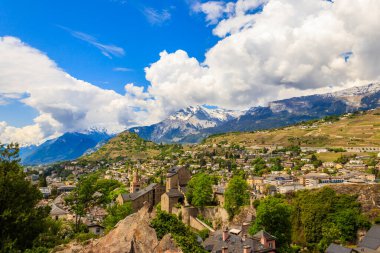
(358, 130)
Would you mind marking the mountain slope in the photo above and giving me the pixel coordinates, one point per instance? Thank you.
(124, 145)
(353, 130)
(193, 124)
(290, 111)
(186, 122)
(69, 146)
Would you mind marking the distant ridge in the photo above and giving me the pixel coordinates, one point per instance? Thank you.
(69, 146)
(193, 124)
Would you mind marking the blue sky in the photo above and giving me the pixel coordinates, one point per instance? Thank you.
(130, 25)
(71, 65)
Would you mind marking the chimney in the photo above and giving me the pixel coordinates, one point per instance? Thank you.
(247, 249)
(245, 227)
(224, 249)
(225, 234)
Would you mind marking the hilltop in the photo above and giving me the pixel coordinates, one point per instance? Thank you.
(125, 145)
(128, 145)
(350, 130)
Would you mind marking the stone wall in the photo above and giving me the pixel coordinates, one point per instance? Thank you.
(198, 225)
(217, 215)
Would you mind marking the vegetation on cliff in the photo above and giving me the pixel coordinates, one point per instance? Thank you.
(165, 223)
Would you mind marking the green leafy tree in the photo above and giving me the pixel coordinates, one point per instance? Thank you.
(315, 161)
(20, 220)
(81, 198)
(274, 216)
(42, 181)
(199, 190)
(323, 216)
(165, 223)
(277, 166)
(236, 195)
(117, 213)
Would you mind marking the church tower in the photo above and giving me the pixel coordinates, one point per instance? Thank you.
(135, 184)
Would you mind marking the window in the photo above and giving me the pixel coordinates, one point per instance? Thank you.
(97, 230)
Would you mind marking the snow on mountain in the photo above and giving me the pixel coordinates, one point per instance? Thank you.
(185, 122)
(364, 90)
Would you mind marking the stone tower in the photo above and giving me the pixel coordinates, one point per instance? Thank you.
(135, 184)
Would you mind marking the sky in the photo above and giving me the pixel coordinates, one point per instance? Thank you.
(69, 65)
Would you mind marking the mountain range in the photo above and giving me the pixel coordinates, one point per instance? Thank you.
(194, 123)
(69, 146)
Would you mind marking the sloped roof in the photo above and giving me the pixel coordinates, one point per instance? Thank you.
(56, 210)
(174, 193)
(234, 243)
(335, 248)
(136, 195)
(264, 234)
(372, 239)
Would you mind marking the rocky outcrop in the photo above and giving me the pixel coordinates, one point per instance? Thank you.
(367, 195)
(131, 235)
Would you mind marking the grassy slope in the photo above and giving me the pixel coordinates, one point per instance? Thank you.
(358, 130)
(125, 145)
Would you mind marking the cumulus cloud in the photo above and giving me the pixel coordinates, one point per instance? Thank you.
(285, 48)
(63, 102)
(268, 49)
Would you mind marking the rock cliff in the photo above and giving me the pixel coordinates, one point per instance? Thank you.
(131, 235)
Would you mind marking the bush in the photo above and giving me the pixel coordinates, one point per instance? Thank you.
(165, 223)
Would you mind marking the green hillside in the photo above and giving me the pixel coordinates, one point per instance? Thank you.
(352, 130)
(125, 145)
(128, 145)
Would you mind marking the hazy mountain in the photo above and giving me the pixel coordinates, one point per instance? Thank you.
(69, 146)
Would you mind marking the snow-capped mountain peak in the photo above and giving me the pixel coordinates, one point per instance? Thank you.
(187, 121)
(203, 117)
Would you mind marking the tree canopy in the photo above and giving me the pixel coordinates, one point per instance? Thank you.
(165, 223)
(20, 220)
(199, 190)
(274, 216)
(323, 216)
(236, 195)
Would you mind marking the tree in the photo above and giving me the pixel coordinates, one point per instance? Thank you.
(315, 161)
(20, 220)
(323, 216)
(42, 181)
(273, 215)
(277, 166)
(81, 198)
(117, 213)
(199, 190)
(236, 195)
(165, 223)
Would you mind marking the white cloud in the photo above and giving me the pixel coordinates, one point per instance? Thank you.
(107, 50)
(63, 102)
(214, 10)
(290, 48)
(156, 17)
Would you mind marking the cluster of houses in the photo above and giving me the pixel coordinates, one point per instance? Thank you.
(219, 160)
